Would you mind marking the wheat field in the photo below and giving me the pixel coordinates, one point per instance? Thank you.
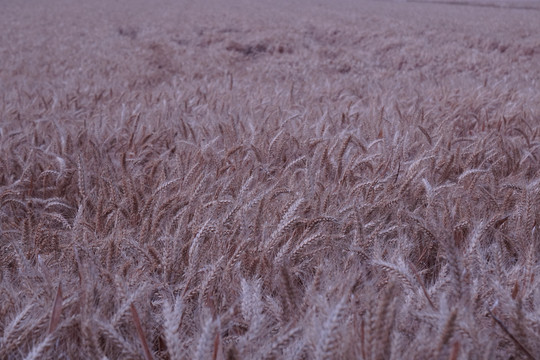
(269, 180)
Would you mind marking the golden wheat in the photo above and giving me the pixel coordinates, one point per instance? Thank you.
(231, 180)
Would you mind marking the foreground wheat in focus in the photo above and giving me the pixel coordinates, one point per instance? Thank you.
(269, 181)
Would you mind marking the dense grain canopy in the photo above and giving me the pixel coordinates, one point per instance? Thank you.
(269, 179)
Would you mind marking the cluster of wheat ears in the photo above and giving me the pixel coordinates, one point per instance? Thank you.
(268, 198)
